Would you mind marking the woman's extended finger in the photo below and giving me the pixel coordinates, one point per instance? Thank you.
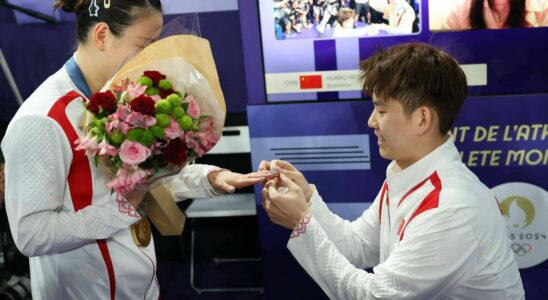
(282, 164)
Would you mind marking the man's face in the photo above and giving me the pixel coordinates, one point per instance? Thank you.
(394, 130)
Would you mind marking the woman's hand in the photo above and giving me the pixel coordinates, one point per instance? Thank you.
(228, 181)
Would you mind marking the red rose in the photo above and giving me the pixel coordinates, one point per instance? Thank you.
(106, 101)
(165, 93)
(155, 76)
(175, 152)
(143, 104)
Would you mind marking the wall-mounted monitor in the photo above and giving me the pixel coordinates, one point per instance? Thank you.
(311, 48)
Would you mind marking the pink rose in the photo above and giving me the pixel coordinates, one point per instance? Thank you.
(133, 153)
(193, 109)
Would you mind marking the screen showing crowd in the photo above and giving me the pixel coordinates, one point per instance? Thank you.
(313, 19)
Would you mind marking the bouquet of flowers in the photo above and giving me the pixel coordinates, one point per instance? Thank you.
(140, 127)
(161, 109)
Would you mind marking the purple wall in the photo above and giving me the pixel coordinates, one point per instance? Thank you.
(35, 51)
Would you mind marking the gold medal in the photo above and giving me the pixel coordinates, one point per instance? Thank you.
(141, 232)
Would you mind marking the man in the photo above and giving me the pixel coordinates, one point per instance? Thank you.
(434, 231)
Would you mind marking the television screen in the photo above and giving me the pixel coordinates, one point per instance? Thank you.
(312, 48)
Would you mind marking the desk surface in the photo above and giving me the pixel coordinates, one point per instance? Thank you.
(223, 206)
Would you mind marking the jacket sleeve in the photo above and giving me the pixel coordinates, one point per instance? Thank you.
(358, 240)
(192, 183)
(436, 254)
(38, 158)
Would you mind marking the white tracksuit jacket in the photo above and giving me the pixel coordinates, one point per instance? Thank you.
(75, 231)
(433, 232)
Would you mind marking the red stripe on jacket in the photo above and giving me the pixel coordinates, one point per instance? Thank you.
(384, 190)
(429, 202)
(79, 177)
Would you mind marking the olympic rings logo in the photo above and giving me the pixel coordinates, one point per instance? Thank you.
(521, 250)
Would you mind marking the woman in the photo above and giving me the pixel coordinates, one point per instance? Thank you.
(496, 14)
(76, 231)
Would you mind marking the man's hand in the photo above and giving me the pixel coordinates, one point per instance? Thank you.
(284, 202)
(228, 181)
(290, 171)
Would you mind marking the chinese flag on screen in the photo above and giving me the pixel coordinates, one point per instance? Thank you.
(310, 81)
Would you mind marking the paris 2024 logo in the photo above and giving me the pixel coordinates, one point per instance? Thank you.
(525, 207)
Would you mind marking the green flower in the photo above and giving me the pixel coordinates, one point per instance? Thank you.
(99, 123)
(163, 106)
(185, 122)
(116, 138)
(158, 131)
(145, 81)
(178, 112)
(165, 84)
(174, 99)
(151, 91)
(135, 134)
(162, 120)
(147, 138)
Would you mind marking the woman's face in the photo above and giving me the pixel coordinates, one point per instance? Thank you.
(135, 38)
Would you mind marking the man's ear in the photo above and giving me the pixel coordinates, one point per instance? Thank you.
(424, 119)
(100, 34)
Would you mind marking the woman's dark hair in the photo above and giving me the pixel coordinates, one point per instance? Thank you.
(516, 17)
(118, 14)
